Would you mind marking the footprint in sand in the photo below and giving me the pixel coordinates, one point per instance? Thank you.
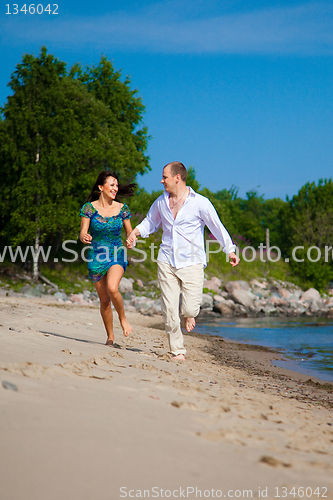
(9, 386)
(185, 405)
(273, 462)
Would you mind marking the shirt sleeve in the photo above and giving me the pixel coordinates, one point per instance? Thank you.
(126, 213)
(212, 221)
(86, 211)
(152, 222)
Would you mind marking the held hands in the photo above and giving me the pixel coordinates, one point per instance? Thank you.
(85, 238)
(131, 239)
(233, 259)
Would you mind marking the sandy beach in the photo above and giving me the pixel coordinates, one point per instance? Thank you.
(80, 420)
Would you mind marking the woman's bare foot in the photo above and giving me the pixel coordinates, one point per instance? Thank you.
(189, 324)
(109, 342)
(126, 327)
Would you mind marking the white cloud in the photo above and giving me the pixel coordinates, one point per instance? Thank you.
(302, 29)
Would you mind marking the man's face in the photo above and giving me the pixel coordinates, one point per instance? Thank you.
(169, 180)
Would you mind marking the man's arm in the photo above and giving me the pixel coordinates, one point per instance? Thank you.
(148, 226)
(212, 221)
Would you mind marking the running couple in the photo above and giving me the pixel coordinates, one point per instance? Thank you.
(183, 214)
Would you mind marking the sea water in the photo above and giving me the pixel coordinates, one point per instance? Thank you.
(306, 343)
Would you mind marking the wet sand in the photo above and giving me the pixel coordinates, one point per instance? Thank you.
(90, 421)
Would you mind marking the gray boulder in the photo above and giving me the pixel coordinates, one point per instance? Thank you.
(297, 294)
(318, 305)
(139, 283)
(243, 297)
(60, 296)
(137, 302)
(126, 285)
(258, 284)
(156, 308)
(230, 286)
(206, 301)
(283, 292)
(269, 309)
(144, 305)
(218, 299)
(278, 301)
(260, 292)
(213, 284)
(30, 291)
(77, 298)
(311, 294)
(300, 309)
(224, 309)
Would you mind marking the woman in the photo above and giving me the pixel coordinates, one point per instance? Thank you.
(104, 216)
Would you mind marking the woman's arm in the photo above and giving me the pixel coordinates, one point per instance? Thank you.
(84, 236)
(127, 226)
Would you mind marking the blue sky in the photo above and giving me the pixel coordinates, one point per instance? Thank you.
(240, 90)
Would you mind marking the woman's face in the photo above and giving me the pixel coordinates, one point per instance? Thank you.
(110, 187)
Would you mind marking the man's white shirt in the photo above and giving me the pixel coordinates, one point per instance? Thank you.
(183, 237)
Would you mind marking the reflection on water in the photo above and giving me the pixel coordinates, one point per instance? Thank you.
(307, 343)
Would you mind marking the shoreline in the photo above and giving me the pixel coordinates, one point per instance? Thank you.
(257, 361)
(242, 355)
(83, 420)
(290, 368)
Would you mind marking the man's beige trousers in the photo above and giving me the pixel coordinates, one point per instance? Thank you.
(188, 280)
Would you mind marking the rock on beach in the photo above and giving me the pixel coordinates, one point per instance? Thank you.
(267, 297)
(258, 297)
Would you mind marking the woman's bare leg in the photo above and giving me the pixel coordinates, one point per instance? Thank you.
(113, 277)
(105, 308)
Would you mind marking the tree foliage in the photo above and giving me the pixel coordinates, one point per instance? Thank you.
(125, 114)
(191, 179)
(307, 221)
(57, 132)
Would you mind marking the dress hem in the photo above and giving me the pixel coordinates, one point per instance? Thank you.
(94, 280)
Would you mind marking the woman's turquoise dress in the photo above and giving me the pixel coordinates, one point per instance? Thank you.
(106, 247)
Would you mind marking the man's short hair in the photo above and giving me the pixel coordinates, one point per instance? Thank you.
(178, 168)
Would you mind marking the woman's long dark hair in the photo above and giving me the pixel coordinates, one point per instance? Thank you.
(124, 190)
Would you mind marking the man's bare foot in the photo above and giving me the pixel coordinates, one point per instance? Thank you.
(126, 327)
(179, 357)
(189, 324)
(109, 342)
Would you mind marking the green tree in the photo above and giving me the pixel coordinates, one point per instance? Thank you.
(141, 203)
(222, 208)
(128, 142)
(307, 221)
(56, 136)
(250, 217)
(191, 179)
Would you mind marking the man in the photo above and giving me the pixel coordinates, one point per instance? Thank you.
(183, 215)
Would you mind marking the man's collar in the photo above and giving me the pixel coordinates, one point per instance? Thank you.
(192, 192)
